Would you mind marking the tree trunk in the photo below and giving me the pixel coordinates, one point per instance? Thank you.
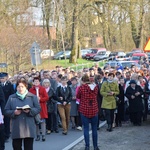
(73, 57)
(136, 29)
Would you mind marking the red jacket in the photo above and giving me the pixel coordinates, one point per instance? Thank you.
(88, 100)
(43, 99)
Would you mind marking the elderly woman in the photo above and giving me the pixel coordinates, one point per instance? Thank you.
(109, 90)
(51, 121)
(22, 107)
(40, 92)
(74, 109)
(134, 94)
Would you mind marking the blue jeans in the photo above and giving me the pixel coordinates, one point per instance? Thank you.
(85, 122)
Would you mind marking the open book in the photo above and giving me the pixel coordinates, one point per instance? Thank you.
(23, 107)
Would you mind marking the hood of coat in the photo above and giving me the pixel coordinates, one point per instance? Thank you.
(90, 86)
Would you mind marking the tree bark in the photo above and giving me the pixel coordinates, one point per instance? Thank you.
(73, 57)
(136, 29)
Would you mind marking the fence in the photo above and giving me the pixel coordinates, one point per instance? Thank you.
(87, 65)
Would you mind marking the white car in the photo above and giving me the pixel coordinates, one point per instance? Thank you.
(121, 56)
(102, 55)
(47, 53)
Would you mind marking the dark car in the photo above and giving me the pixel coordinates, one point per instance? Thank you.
(129, 55)
(61, 55)
(137, 50)
(84, 52)
(117, 56)
(94, 51)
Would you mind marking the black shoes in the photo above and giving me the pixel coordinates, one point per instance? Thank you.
(43, 138)
(56, 131)
(87, 148)
(64, 132)
(37, 138)
(109, 129)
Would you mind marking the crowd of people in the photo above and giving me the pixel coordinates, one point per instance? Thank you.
(36, 103)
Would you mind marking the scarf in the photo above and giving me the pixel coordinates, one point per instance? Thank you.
(47, 89)
(22, 96)
(110, 81)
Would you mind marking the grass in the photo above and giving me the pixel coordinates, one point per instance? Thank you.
(81, 63)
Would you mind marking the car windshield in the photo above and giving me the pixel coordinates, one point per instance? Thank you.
(113, 54)
(59, 53)
(136, 58)
(94, 51)
(101, 53)
(67, 52)
(128, 54)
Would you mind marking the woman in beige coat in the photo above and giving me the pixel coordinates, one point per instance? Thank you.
(109, 90)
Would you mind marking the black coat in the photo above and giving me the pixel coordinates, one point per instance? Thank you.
(8, 90)
(2, 100)
(67, 95)
(52, 95)
(99, 96)
(135, 105)
(121, 101)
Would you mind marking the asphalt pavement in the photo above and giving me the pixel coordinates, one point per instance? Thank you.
(127, 137)
(56, 141)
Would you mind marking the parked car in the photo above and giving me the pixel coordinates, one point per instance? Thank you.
(61, 55)
(148, 54)
(114, 64)
(47, 53)
(129, 55)
(137, 57)
(84, 52)
(101, 55)
(94, 51)
(137, 50)
(117, 56)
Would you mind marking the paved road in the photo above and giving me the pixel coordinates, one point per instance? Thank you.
(57, 141)
(54, 141)
(127, 137)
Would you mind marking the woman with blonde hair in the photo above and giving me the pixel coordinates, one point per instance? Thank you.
(51, 121)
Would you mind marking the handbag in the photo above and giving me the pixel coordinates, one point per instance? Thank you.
(50, 106)
(37, 119)
(118, 101)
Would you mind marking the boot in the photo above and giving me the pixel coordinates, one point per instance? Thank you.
(87, 148)
(109, 128)
(43, 138)
(37, 138)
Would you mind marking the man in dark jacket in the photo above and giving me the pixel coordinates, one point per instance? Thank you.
(99, 81)
(2, 131)
(134, 94)
(8, 90)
